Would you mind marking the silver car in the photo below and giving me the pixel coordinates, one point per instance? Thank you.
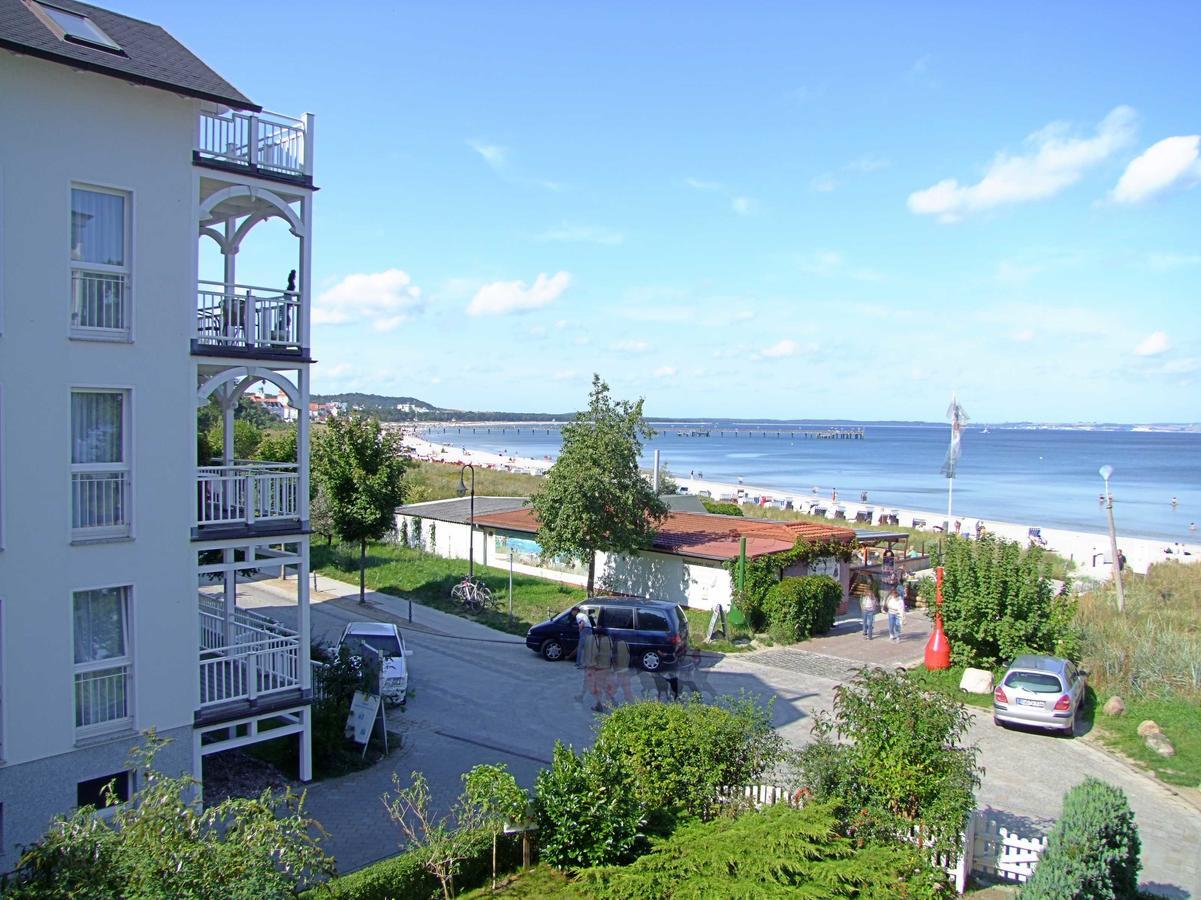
(1043, 691)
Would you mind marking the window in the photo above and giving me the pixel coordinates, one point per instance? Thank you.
(99, 264)
(77, 29)
(92, 792)
(617, 617)
(652, 620)
(102, 659)
(100, 483)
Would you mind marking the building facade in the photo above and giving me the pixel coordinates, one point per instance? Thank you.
(120, 152)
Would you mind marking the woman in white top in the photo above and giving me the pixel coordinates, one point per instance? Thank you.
(895, 606)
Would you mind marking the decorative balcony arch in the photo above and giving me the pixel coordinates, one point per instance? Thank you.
(278, 206)
(237, 380)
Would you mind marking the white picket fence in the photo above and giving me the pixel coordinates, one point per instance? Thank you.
(989, 848)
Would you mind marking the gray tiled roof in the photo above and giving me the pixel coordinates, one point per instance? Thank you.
(459, 508)
(152, 57)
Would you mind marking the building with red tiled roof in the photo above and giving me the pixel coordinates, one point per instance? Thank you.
(686, 562)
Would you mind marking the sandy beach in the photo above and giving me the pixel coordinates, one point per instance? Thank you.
(1089, 550)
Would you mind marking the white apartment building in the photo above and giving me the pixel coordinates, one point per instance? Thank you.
(120, 154)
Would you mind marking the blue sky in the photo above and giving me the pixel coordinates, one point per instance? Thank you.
(781, 210)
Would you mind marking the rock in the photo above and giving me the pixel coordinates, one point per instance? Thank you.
(1158, 741)
(1114, 706)
(976, 681)
(1147, 727)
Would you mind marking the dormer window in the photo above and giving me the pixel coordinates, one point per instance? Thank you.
(76, 28)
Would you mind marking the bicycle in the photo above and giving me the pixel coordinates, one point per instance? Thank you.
(475, 595)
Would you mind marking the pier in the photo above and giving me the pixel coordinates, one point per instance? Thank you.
(827, 433)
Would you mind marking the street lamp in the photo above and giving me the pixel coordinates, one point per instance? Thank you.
(1106, 472)
(471, 517)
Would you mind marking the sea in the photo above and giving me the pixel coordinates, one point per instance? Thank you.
(1039, 476)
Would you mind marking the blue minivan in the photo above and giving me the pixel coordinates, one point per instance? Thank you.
(656, 631)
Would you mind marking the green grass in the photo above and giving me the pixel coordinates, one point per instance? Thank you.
(946, 681)
(405, 571)
(440, 481)
(540, 881)
(698, 626)
(1179, 718)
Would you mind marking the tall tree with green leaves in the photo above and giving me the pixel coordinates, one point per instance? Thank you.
(595, 498)
(360, 467)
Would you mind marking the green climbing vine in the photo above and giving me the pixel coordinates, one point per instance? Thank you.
(762, 572)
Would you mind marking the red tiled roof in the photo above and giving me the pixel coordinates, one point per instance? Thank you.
(703, 534)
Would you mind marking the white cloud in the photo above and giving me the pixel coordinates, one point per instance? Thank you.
(631, 346)
(665, 372)
(742, 315)
(822, 262)
(494, 155)
(1054, 160)
(1025, 335)
(1153, 344)
(867, 163)
(502, 297)
(780, 349)
(382, 299)
(744, 206)
(582, 234)
(1172, 162)
(739, 203)
(1164, 262)
(700, 185)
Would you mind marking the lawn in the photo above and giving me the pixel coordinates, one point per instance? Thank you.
(540, 881)
(405, 571)
(946, 681)
(1179, 719)
(440, 481)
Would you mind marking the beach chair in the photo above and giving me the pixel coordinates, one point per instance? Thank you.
(864, 516)
(1036, 538)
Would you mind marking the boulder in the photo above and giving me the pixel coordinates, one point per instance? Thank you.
(976, 681)
(1158, 741)
(1114, 706)
(1147, 727)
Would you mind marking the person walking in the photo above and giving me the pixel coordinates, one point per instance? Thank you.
(599, 664)
(583, 626)
(895, 607)
(619, 676)
(869, 604)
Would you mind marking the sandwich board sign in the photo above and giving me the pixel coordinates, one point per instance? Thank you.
(364, 710)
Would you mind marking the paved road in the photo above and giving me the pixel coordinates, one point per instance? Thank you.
(479, 696)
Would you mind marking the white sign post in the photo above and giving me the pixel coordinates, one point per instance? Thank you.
(365, 709)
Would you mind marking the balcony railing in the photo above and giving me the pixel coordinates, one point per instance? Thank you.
(266, 141)
(247, 493)
(100, 506)
(244, 317)
(101, 697)
(261, 658)
(99, 303)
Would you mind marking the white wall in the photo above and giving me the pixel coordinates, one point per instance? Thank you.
(59, 126)
(660, 576)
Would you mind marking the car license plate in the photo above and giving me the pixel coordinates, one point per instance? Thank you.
(1022, 701)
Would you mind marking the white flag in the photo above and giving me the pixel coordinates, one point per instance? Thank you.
(958, 417)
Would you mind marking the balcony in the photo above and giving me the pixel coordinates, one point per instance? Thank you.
(262, 143)
(241, 320)
(100, 504)
(99, 305)
(246, 659)
(247, 499)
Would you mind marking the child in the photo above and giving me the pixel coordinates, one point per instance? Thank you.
(895, 607)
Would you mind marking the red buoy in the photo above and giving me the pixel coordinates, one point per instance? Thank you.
(938, 648)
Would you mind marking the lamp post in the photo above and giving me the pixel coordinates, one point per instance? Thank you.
(1106, 472)
(470, 519)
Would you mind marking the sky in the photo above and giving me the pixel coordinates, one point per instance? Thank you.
(777, 210)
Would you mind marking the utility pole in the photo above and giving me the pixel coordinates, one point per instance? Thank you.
(1106, 472)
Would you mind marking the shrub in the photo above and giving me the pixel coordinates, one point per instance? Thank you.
(998, 602)
(798, 608)
(777, 852)
(674, 756)
(895, 755)
(1093, 850)
(718, 508)
(586, 815)
(334, 685)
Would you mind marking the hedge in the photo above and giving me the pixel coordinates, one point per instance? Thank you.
(1093, 850)
(403, 876)
(798, 608)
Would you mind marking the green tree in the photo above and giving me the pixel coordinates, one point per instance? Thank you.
(998, 602)
(361, 469)
(163, 845)
(246, 439)
(799, 608)
(500, 800)
(277, 445)
(321, 514)
(595, 497)
(894, 755)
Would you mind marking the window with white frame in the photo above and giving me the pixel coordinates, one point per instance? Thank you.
(100, 482)
(102, 659)
(100, 295)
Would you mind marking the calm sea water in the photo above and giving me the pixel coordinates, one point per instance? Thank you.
(1039, 477)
